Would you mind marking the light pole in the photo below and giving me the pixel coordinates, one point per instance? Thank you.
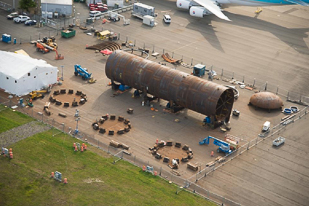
(10, 97)
(76, 130)
(62, 72)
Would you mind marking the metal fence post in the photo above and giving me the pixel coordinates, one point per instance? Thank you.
(160, 171)
(277, 89)
(248, 146)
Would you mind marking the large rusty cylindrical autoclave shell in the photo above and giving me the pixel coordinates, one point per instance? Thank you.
(186, 90)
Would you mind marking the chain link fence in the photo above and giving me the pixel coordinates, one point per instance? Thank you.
(6, 7)
(223, 74)
(189, 184)
(262, 137)
(119, 154)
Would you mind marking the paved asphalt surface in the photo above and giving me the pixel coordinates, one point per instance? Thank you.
(271, 46)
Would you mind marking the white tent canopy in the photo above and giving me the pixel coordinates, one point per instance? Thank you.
(20, 74)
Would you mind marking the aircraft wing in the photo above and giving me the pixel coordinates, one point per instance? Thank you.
(213, 8)
(299, 2)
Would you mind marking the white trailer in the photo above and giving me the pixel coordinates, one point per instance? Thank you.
(140, 10)
(149, 20)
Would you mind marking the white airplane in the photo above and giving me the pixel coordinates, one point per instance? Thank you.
(200, 8)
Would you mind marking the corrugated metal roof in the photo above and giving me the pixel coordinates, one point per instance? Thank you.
(63, 2)
(17, 65)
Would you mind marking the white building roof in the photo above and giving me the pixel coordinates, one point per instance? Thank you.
(61, 2)
(17, 65)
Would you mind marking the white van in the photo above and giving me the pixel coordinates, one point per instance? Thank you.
(266, 126)
(95, 14)
(167, 19)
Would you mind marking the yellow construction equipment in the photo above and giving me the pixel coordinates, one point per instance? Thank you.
(50, 41)
(39, 93)
(104, 34)
(258, 10)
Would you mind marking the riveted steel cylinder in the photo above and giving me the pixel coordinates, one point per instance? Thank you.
(186, 90)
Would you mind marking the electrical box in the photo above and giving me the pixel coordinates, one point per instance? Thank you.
(199, 70)
(58, 176)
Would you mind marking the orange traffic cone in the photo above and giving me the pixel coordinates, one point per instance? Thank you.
(65, 181)
(75, 149)
(52, 175)
(144, 167)
(212, 153)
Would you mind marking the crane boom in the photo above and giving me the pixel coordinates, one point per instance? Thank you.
(223, 146)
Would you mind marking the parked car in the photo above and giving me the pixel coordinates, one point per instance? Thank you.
(95, 14)
(101, 9)
(30, 22)
(278, 141)
(12, 15)
(21, 19)
(167, 19)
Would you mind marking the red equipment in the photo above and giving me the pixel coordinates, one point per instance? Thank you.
(58, 56)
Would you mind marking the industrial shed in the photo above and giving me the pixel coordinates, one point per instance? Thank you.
(62, 7)
(21, 74)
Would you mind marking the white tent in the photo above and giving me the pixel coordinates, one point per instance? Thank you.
(20, 74)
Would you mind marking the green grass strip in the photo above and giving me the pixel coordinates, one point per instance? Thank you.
(93, 179)
(10, 119)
